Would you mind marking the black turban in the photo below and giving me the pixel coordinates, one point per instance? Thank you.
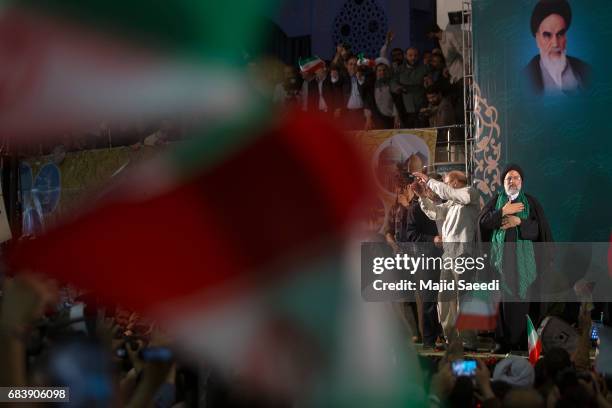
(511, 167)
(545, 8)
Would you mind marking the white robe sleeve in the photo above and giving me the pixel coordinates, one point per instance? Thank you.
(462, 196)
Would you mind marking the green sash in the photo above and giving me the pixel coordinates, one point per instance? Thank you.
(525, 257)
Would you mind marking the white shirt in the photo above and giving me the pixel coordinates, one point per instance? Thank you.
(355, 101)
(384, 100)
(459, 215)
(513, 196)
(322, 104)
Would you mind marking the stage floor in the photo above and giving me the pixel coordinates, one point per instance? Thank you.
(481, 353)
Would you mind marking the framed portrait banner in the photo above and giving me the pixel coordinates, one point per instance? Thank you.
(392, 154)
(543, 91)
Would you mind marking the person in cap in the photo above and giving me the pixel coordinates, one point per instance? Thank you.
(552, 70)
(512, 221)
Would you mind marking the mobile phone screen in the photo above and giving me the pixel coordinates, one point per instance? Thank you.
(162, 354)
(594, 331)
(465, 368)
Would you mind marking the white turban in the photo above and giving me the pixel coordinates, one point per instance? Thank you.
(515, 371)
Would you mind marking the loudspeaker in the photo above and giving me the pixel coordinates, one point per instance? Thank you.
(555, 332)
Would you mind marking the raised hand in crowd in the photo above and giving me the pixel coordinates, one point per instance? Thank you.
(596, 388)
(109, 332)
(442, 383)
(338, 57)
(389, 37)
(581, 356)
(155, 373)
(483, 381)
(24, 300)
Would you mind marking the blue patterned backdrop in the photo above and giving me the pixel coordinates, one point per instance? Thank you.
(362, 24)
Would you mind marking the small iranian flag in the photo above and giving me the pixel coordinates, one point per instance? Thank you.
(535, 344)
(311, 65)
(363, 61)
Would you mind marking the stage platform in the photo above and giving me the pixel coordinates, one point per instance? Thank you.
(484, 354)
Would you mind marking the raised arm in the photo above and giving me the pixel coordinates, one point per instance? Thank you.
(432, 211)
(384, 51)
(464, 195)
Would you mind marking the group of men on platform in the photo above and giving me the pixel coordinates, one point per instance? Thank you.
(447, 214)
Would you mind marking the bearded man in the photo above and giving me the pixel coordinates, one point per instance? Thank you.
(512, 221)
(552, 70)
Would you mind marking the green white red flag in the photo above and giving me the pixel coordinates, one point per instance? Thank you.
(534, 342)
(478, 311)
(230, 240)
(311, 65)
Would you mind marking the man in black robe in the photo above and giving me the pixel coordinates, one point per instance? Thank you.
(512, 221)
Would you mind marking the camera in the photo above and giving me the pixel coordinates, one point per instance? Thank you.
(403, 177)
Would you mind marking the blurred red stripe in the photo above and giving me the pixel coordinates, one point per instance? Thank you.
(293, 187)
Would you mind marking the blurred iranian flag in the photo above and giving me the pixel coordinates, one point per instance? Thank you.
(235, 240)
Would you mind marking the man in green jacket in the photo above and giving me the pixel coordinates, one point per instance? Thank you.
(409, 83)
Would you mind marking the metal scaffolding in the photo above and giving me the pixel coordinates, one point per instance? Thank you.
(468, 85)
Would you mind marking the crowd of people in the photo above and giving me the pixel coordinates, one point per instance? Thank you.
(557, 380)
(52, 336)
(113, 357)
(398, 89)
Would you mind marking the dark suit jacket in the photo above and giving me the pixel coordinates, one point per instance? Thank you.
(328, 95)
(369, 98)
(343, 92)
(533, 72)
